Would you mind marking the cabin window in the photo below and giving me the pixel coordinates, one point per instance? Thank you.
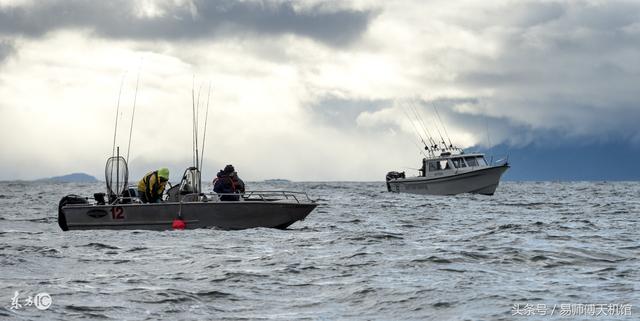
(434, 166)
(444, 164)
(481, 161)
(471, 161)
(458, 162)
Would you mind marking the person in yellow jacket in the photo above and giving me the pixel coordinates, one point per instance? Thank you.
(151, 186)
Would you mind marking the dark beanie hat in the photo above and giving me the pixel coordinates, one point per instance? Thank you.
(229, 169)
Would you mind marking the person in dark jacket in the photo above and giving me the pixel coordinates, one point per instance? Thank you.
(237, 182)
(228, 182)
(151, 186)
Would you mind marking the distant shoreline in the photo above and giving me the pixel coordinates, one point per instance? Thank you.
(69, 178)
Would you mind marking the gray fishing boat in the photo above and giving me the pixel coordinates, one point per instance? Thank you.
(120, 208)
(184, 205)
(450, 172)
(446, 169)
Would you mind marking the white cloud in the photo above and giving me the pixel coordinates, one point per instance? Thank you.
(518, 68)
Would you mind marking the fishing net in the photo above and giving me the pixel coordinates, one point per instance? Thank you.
(116, 175)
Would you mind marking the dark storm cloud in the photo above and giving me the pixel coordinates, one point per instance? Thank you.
(521, 14)
(117, 19)
(571, 67)
(612, 125)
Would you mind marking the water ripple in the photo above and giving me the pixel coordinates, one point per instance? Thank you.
(364, 254)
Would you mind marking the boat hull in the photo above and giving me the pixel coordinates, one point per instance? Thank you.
(222, 215)
(481, 181)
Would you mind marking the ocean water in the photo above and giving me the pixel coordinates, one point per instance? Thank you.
(533, 251)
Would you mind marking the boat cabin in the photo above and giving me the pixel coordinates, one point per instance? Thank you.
(447, 164)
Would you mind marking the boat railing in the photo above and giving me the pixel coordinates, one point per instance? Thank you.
(265, 196)
(503, 160)
(276, 195)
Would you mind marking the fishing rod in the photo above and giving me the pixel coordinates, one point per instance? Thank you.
(434, 145)
(426, 131)
(486, 122)
(417, 119)
(115, 131)
(439, 133)
(426, 146)
(443, 127)
(197, 125)
(421, 122)
(113, 149)
(420, 148)
(193, 122)
(206, 117)
(133, 114)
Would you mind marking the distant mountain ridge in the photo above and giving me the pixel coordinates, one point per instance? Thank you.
(70, 178)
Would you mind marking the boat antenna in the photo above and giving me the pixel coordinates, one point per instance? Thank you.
(206, 117)
(133, 114)
(115, 130)
(439, 133)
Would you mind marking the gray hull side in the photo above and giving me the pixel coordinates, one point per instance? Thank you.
(224, 215)
(483, 181)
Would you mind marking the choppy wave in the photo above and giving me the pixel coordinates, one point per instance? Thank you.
(363, 254)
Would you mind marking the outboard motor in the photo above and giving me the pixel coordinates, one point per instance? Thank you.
(69, 199)
(99, 197)
(393, 175)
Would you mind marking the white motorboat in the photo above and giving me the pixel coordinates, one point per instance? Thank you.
(450, 172)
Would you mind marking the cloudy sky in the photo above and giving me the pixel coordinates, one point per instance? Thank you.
(308, 90)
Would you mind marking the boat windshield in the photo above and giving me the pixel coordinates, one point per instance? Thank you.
(458, 162)
(438, 165)
(190, 181)
(481, 161)
(472, 161)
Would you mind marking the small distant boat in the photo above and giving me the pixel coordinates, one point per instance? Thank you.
(450, 173)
